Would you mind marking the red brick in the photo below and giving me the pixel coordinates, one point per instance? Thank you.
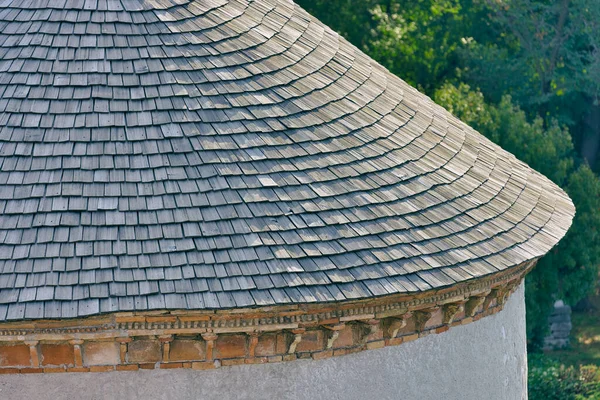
(394, 341)
(459, 315)
(147, 366)
(267, 345)
(235, 361)
(346, 337)
(203, 365)
(230, 346)
(426, 333)
(409, 338)
(351, 350)
(282, 343)
(435, 320)
(377, 344)
(171, 365)
(187, 350)
(144, 351)
(330, 321)
(100, 353)
(322, 354)
(340, 352)
(378, 335)
(442, 329)
(275, 359)
(9, 370)
(32, 370)
(102, 368)
(312, 340)
(408, 329)
(54, 370)
(13, 356)
(78, 369)
(129, 367)
(162, 318)
(257, 360)
(57, 354)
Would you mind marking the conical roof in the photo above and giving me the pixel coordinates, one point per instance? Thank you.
(173, 154)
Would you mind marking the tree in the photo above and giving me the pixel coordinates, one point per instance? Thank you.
(569, 271)
(416, 40)
(548, 150)
(350, 18)
(544, 53)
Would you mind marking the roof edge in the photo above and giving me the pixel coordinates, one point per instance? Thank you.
(156, 339)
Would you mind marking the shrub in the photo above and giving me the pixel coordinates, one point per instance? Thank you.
(549, 380)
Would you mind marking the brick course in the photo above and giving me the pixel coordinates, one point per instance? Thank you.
(14, 355)
(188, 350)
(130, 341)
(144, 350)
(101, 353)
(61, 354)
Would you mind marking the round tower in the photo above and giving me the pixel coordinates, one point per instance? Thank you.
(229, 194)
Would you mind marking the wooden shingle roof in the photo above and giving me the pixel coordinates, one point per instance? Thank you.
(175, 154)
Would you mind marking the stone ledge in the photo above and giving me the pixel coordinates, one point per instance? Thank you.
(211, 339)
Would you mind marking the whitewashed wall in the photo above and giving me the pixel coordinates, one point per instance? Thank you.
(483, 360)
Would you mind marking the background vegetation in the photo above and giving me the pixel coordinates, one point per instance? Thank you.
(549, 380)
(525, 73)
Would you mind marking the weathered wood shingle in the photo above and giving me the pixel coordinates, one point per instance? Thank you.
(232, 153)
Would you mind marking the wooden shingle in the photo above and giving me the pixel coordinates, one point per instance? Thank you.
(228, 153)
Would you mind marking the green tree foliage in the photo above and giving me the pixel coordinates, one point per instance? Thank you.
(548, 380)
(548, 150)
(542, 49)
(578, 254)
(416, 40)
(350, 18)
(546, 55)
(569, 270)
(537, 63)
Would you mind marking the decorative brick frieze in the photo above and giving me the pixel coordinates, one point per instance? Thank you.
(77, 352)
(472, 305)
(166, 340)
(123, 342)
(422, 317)
(297, 339)
(252, 343)
(210, 339)
(394, 324)
(33, 352)
(450, 311)
(332, 333)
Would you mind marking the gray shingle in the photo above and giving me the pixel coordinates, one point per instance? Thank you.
(239, 171)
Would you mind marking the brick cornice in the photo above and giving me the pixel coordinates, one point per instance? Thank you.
(339, 327)
(261, 319)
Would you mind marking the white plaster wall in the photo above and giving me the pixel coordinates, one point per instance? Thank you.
(485, 360)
